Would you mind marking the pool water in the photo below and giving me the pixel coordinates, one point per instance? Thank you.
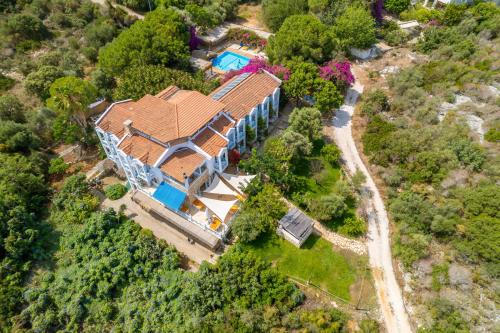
(229, 61)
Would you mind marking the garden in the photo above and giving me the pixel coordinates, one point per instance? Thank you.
(315, 262)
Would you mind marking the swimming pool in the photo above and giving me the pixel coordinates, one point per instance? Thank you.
(228, 61)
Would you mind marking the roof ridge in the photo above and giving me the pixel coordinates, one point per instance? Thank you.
(176, 119)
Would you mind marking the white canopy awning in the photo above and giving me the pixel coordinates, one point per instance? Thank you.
(218, 187)
(238, 182)
(219, 207)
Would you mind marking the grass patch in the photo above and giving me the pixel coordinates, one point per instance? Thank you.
(316, 261)
(318, 175)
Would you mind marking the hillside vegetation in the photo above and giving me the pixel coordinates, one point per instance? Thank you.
(442, 177)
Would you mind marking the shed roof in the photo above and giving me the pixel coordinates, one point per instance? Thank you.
(296, 223)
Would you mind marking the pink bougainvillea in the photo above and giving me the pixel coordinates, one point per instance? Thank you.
(256, 65)
(338, 72)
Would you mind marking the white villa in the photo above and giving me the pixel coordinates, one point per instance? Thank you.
(174, 146)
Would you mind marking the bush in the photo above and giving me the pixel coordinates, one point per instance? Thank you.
(396, 6)
(6, 82)
(274, 12)
(353, 226)
(327, 207)
(38, 83)
(58, 166)
(396, 37)
(11, 109)
(331, 154)
(115, 191)
(374, 102)
(248, 225)
(421, 14)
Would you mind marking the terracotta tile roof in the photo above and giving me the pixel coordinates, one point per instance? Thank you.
(210, 142)
(183, 161)
(222, 125)
(150, 115)
(167, 92)
(246, 95)
(180, 115)
(143, 149)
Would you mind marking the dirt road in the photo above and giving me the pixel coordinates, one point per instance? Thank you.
(388, 291)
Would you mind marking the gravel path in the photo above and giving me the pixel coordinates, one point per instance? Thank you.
(388, 291)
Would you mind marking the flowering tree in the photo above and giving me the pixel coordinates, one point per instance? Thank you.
(338, 72)
(194, 41)
(256, 65)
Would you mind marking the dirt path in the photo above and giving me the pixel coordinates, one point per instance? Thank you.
(126, 9)
(388, 291)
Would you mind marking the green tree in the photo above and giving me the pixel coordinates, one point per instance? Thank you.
(274, 12)
(396, 6)
(374, 102)
(200, 16)
(301, 36)
(100, 32)
(327, 207)
(16, 137)
(297, 143)
(353, 226)
(57, 166)
(160, 39)
(327, 97)
(138, 81)
(38, 83)
(115, 191)
(331, 154)
(302, 82)
(26, 27)
(11, 109)
(249, 225)
(355, 28)
(306, 121)
(22, 201)
(70, 97)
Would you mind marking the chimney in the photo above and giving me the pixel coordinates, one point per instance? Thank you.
(127, 125)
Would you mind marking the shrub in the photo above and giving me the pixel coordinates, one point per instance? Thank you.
(421, 14)
(11, 109)
(274, 12)
(374, 102)
(248, 225)
(38, 83)
(115, 191)
(331, 154)
(492, 135)
(58, 166)
(396, 6)
(6, 82)
(306, 121)
(327, 207)
(353, 226)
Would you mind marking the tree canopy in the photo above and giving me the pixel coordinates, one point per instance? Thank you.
(303, 37)
(275, 12)
(70, 97)
(355, 28)
(138, 81)
(160, 39)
